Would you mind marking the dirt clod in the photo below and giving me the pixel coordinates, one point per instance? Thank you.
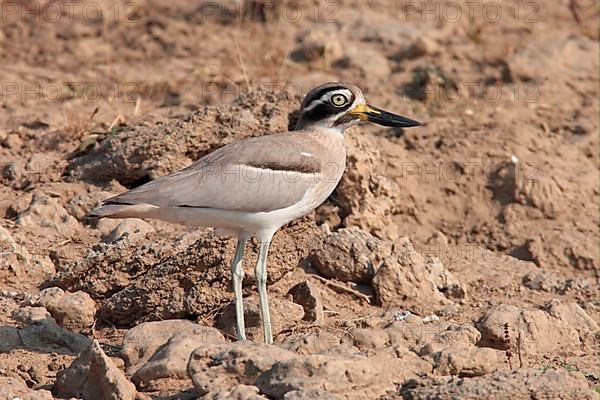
(350, 255)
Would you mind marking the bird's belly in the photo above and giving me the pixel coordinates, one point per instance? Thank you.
(312, 199)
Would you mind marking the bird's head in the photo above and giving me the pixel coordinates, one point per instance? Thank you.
(339, 105)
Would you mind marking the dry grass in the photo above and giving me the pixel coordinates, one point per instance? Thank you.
(78, 122)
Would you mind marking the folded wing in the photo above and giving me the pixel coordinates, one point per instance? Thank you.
(259, 174)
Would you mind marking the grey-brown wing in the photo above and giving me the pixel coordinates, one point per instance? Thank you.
(258, 174)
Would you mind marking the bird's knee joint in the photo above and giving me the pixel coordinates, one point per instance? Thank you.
(239, 274)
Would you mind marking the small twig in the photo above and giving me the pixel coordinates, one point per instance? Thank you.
(242, 65)
(296, 329)
(362, 318)
(117, 121)
(61, 243)
(519, 349)
(343, 289)
(138, 106)
(92, 115)
(574, 13)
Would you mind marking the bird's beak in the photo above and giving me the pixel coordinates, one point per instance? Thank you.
(369, 113)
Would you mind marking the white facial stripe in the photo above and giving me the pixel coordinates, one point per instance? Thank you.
(325, 98)
(345, 92)
(314, 103)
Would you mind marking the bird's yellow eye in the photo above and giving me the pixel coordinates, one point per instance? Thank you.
(339, 100)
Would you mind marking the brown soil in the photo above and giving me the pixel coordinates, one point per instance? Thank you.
(501, 185)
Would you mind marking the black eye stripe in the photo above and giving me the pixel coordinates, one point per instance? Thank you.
(324, 110)
(320, 112)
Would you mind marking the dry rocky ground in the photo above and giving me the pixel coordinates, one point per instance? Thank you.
(457, 260)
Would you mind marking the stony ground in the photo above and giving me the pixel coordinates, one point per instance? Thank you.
(457, 260)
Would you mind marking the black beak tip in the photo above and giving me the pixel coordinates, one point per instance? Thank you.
(381, 117)
(402, 122)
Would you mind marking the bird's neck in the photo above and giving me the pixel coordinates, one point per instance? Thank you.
(332, 131)
(323, 130)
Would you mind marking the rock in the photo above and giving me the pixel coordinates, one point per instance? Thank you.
(428, 81)
(94, 376)
(320, 342)
(9, 172)
(41, 331)
(370, 62)
(141, 342)
(570, 53)
(373, 26)
(520, 384)
(310, 394)
(276, 371)
(515, 183)
(365, 198)
(20, 262)
(465, 362)
(46, 215)
(412, 333)
(421, 46)
(535, 330)
(370, 338)
(238, 392)
(37, 168)
(11, 339)
(443, 279)
(284, 315)
(171, 359)
(162, 349)
(107, 269)
(46, 297)
(12, 388)
(107, 225)
(406, 279)
(447, 335)
(134, 228)
(320, 43)
(547, 281)
(308, 296)
(350, 254)
(13, 141)
(213, 367)
(574, 316)
(31, 315)
(543, 193)
(342, 376)
(72, 311)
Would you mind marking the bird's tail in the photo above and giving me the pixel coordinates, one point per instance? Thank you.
(121, 211)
